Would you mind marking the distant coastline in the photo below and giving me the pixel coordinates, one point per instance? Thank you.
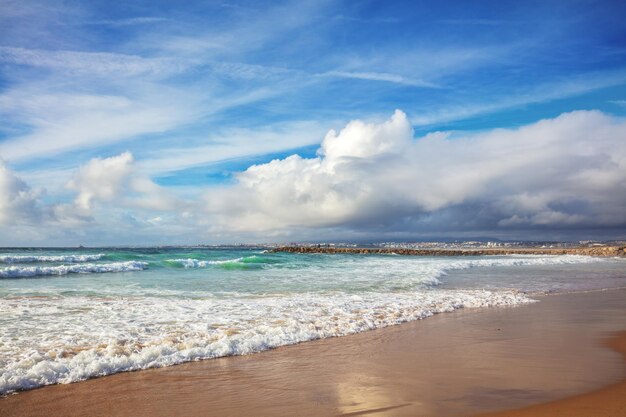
(604, 251)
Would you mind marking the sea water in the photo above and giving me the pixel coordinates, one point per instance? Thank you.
(73, 314)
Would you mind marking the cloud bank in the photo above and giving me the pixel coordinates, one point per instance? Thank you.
(564, 172)
(369, 179)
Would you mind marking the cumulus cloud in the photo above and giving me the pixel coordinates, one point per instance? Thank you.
(115, 180)
(18, 202)
(564, 172)
(111, 183)
(101, 179)
(111, 196)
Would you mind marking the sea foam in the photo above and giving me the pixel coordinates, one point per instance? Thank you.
(87, 268)
(62, 338)
(144, 333)
(13, 259)
(198, 263)
(243, 262)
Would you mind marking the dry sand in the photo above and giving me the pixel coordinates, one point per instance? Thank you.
(454, 364)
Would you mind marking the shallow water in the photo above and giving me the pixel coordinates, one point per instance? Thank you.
(69, 315)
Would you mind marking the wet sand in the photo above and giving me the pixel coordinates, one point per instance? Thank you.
(605, 402)
(453, 364)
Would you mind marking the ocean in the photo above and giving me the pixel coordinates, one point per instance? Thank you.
(67, 315)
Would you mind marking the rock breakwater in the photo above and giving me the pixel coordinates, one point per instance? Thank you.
(604, 251)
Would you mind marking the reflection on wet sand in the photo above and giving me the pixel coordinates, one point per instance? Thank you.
(362, 393)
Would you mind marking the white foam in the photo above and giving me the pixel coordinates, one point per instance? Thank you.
(88, 268)
(414, 272)
(86, 337)
(63, 339)
(196, 263)
(505, 261)
(12, 259)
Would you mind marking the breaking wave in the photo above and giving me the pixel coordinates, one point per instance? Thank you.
(175, 316)
(14, 259)
(34, 271)
(177, 331)
(245, 262)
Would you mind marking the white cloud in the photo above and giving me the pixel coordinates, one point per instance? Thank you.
(101, 179)
(64, 122)
(566, 171)
(233, 144)
(140, 20)
(321, 191)
(18, 202)
(429, 61)
(114, 181)
(381, 76)
(93, 63)
(52, 119)
(362, 140)
(249, 28)
(573, 86)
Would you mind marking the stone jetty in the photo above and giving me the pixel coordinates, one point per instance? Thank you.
(604, 251)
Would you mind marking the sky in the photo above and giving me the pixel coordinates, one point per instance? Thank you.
(157, 122)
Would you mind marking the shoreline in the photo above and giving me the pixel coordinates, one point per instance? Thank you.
(602, 251)
(451, 364)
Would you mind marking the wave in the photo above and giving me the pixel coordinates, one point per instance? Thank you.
(34, 271)
(177, 331)
(413, 273)
(121, 333)
(197, 263)
(13, 259)
(245, 262)
(523, 260)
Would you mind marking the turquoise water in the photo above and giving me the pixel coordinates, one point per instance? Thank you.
(68, 315)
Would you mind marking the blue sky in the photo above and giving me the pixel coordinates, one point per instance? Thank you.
(196, 93)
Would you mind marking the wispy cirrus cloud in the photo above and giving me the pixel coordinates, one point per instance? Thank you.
(479, 22)
(232, 144)
(139, 20)
(561, 89)
(381, 76)
(63, 122)
(93, 63)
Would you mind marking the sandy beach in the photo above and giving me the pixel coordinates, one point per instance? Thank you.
(607, 401)
(457, 364)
